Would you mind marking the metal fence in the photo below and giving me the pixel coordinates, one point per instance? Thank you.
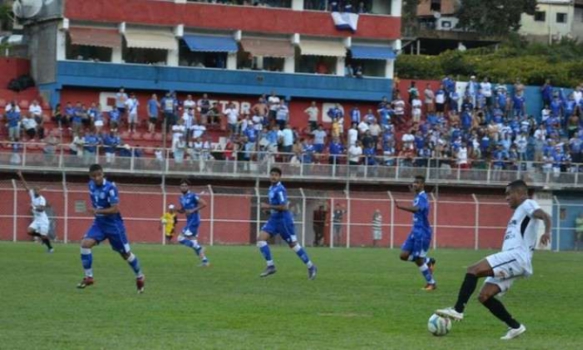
(328, 218)
(256, 165)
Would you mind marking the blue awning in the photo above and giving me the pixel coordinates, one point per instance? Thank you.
(366, 52)
(210, 43)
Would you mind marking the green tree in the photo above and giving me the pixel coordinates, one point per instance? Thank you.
(493, 17)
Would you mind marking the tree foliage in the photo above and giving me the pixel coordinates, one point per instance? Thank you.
(493, 17)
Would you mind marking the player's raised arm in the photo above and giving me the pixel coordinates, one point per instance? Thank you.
(546, 218)
(24, 183)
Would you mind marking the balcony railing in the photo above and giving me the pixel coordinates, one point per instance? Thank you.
(256, 165)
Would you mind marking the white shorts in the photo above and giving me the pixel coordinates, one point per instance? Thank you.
(99, 123)
(377, 235)
(40, 226)
(507, 267)
(133, 118)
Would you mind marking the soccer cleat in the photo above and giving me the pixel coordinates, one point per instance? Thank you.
(269, 270)
(312, 272)
(429, 287)
(50, 251)
(450, 313)
(87, 281)
(514, 332)
(204, 264)
(431, 265)
(140, 284)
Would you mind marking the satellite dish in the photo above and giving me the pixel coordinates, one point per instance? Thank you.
(27, 8)
(436, 15)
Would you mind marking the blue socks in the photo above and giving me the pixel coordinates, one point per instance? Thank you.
(135, 265)
(265, 251)
(87, 261)
(426, 273)
(303, 255)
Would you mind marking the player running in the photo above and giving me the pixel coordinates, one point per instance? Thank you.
(191, 204)
(108, 224)
(280, 222)
(417, 244)
(503, 268)
(40, 225)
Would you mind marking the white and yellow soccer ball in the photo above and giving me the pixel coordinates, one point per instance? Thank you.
(438, 325)
(163, 221)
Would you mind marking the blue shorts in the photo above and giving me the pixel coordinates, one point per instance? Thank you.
(417, 244)
(318, 148)
(284, 227)
(114, 232)
(190, 231)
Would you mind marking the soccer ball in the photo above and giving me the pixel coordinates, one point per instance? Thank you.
(438, 325)
(164, 222)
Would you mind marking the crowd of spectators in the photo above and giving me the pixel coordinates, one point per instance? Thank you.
(484, 126)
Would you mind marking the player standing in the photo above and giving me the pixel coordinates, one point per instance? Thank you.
(191, 204)
(280, 222)
(503, 268)
(417, 244)
(40, 225)
(108, 224)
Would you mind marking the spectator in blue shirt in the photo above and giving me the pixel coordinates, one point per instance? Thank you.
(13, 121)
(547, 92)
(335, 150)
(153, 112)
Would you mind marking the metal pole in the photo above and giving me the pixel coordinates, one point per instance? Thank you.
(477, 221)
(14, 210)
(332, 222)
(66, 210)
(212, 216)
(558, 221)
(347, 193)
(434, 221)
(164, 206)
(303, 217)
(258, 218)
(392, 218)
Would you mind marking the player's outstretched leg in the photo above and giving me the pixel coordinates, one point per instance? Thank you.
(198, 250)
(473, 273)
(488, 299)
(301, 253)
(87, 262)
(46, 241)
(134, 263)
(266, 252)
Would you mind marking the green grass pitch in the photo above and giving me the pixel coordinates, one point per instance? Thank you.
(361, 299)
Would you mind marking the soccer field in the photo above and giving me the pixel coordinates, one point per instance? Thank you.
(361, 299)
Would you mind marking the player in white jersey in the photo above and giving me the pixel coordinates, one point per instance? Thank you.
(503, 268)
(40, 225)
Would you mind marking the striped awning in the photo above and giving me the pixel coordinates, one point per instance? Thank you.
(151, 39)
(210, 43)
(322, 48)
(266, 47)
(98, 37)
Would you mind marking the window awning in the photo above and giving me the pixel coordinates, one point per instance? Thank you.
(151, 39)
(95, 37)
(369, 52)
(322, 48)
(210, 43)
(266, 47)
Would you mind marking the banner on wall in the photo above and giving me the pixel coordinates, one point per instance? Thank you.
(345, 21)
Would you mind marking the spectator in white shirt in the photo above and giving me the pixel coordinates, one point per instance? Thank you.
(232, 115)
(354, 154)
(408, 140)
(132, 108)
(29, 125)
(462, 157)
(178, 132)
(352, 135)
(416, 105)
(312, 113)
(35, 111)
(363, 127)
(319, 139)
(486, 87)
(273, 103)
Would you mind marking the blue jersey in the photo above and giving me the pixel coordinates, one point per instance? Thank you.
(103, 197)
(421, 216)
(189, 201)
(278, 196)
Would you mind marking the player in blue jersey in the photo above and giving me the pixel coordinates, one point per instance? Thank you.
(191, 204)
(417, 244)
(280, 222)
(108, 224)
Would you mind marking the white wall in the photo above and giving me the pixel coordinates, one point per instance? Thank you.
(550, 26)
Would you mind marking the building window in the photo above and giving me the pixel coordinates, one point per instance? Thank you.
(561, 17)
(435, 5)
(540, 16)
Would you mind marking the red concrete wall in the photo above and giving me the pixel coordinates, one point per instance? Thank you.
(12, 68)
(247, 19)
